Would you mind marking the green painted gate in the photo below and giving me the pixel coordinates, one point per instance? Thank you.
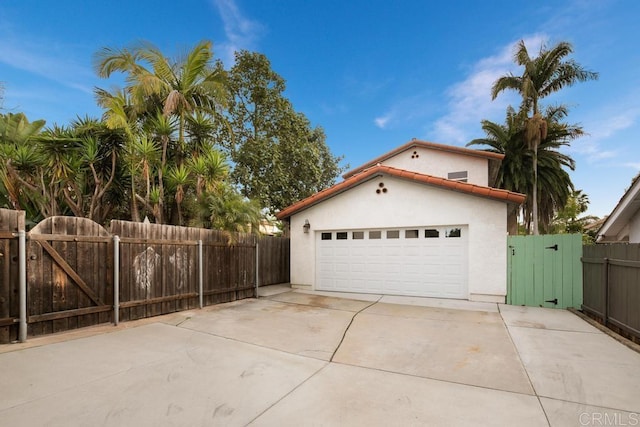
(545, 271)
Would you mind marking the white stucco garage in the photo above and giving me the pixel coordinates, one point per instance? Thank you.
(391, 227)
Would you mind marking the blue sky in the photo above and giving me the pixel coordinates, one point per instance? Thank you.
(373, 74)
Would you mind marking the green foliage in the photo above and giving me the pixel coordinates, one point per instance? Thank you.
(59, 170)
(569, 219)
(534, 132)
(161, 147)
(167, 109)
(225, 209)
(279, 157)
(554, 184)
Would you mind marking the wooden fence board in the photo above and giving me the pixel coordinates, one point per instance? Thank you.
(67, 278)
(541, 270)
(10, 223)
(274, 260)
(612, 286)
(70, 271)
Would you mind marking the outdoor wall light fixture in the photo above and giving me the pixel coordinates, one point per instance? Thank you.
(306, 226)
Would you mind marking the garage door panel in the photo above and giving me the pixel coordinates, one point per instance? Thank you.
(358, 267)
(434, 267)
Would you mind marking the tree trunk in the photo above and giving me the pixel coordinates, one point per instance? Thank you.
(535, 191)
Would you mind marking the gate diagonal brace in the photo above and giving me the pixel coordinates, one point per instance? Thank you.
(70, 272)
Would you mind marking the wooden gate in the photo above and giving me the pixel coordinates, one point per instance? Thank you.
(545, 271)
(69, 275)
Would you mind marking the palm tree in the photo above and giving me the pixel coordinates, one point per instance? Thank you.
(162, 128)
(507, 139)
(210, 170)
(514, 173)
(543, 75)
(99, 152)
(226, 209)
(176, 88)
(179, 178)
(141, 156)
(16, 135)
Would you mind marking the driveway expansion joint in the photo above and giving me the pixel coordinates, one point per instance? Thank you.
(287, 394)
(524, 368)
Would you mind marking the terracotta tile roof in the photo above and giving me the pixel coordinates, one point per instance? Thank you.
(424, 144)
(463, 187)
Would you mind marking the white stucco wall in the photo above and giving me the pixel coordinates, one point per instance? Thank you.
(409, 204)
(441, 163)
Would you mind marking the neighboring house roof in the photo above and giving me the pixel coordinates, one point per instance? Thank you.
(492, 157)
(463, 187)
(622, 213)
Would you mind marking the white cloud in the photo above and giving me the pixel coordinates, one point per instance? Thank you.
(381, 122)
(46, 60)
(633, 165)
(609, 124)
(416, 107)
(469, 101)
(241, 32)
(591, 150)
(466, 102)
(615, 123)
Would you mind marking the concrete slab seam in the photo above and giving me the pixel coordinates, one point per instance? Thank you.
(349, 325)
(425, 318)
(404, 374)
(609, 408)
(287, 394)
(554, 329)
(535, 392)
(248, 343)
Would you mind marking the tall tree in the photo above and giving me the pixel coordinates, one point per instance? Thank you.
(514, 173)
(179, 88)
(166, 102)
(542, 76)
(279, 157)
(16, 134)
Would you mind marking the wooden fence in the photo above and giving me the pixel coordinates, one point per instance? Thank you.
(71, 271)
(273, 260)
(612, 286)
(10, 223)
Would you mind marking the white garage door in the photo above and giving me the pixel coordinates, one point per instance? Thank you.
(417, 261)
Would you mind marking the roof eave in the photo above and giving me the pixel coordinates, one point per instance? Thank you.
(618, 213)
(429, 145)
(442, 183)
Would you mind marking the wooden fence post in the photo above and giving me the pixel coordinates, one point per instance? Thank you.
(257, 265)
(22, 260)
(116, 280)
(200, 275)
(605, 277)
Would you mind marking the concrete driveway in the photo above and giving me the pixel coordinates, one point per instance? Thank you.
(297, 358)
